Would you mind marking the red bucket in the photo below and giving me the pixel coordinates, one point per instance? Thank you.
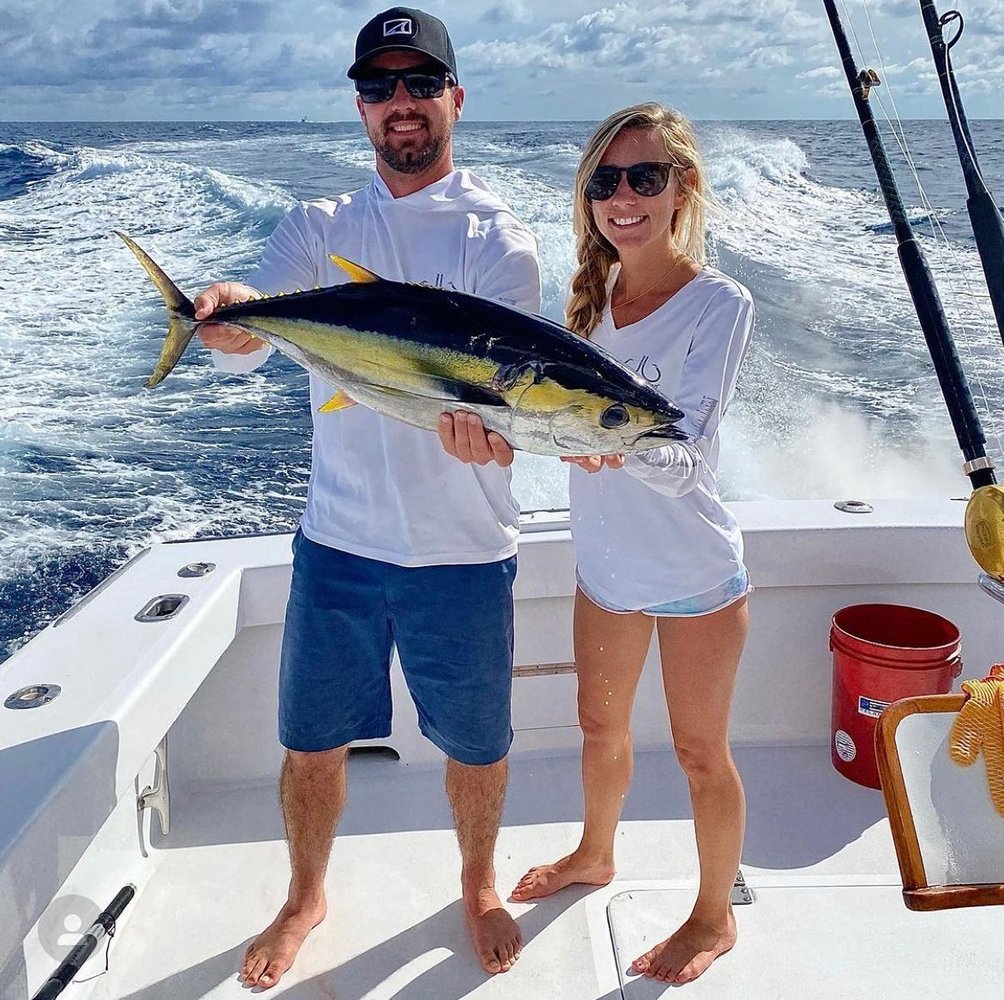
(881, 653)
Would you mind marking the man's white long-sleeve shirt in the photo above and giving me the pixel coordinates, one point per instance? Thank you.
(380, 488)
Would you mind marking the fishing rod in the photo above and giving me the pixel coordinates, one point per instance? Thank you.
(984, 215)
(985, 511)
(104, 924)
(923, 291)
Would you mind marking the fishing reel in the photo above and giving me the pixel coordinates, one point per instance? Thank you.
(985, 529)
(867, 79)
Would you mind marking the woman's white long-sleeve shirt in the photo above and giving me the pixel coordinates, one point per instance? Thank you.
(656, 531)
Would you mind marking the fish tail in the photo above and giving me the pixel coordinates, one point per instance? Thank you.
(181, 322)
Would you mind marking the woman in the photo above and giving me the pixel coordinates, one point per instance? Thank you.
(654, 544)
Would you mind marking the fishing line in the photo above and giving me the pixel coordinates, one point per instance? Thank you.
(957, 268)
(969, 330)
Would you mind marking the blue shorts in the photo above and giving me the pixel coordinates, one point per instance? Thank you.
(687, 607)
(453, 628)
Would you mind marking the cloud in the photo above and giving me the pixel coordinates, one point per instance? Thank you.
(635, 35)
(506, 12)
(192, 16)
(174, 45)
(248, 58)
(826, 72)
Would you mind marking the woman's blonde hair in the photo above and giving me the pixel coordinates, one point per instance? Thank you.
(594, 253)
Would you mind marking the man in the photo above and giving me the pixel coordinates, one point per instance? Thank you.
(400, 543)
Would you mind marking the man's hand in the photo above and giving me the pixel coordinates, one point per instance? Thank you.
(227, 339)
(593, 463)
(463, 436)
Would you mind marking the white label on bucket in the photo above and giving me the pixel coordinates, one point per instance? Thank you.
(846, 750)
(871, 706)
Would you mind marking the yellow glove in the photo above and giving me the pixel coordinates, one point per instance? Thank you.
(979, 726)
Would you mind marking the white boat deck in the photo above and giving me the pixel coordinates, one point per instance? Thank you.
(818, 856)
(828, 920)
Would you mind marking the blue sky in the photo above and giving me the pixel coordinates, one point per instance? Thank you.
(519, 59)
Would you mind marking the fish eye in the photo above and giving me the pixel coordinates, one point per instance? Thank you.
(614, 415)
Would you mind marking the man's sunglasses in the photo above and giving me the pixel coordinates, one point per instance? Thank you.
(647, 179)
(420, 84)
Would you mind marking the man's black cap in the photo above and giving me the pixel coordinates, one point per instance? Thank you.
(404, 28)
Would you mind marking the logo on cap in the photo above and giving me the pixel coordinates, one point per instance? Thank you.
(398, 26)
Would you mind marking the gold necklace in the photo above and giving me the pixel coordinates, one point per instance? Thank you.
(658, 281)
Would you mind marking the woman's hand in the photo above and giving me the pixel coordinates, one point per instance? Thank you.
(593, 463)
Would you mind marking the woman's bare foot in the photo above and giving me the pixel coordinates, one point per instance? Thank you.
(273, 951)
(545, 879)
(687, 953)
(496, 936)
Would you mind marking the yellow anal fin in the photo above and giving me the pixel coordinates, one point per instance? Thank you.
(339, 401)
(355, 271)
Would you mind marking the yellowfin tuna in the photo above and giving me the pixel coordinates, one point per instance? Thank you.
(412, 352)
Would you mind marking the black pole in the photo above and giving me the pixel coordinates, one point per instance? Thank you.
(82, 950)
(920, 282)
(984, 215)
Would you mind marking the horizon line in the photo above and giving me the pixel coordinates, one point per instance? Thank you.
(470, 121)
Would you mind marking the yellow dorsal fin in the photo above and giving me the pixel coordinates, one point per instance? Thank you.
(339, 401)
(355, 271)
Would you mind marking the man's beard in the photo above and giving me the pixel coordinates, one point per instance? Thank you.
(411, 160)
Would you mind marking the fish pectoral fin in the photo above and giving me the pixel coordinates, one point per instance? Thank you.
(355, 271)
(448, 391)
(341, 400)
(454, 391)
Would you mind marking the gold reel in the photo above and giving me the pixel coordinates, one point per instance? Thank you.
(985, 529)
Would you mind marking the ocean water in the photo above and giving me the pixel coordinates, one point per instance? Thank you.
(838, 398)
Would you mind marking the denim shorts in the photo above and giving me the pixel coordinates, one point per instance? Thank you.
(688, 607)
(453, 629)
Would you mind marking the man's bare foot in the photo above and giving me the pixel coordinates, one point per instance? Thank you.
(496, 936)
(687, 953)
(545, 879)
(273, 951)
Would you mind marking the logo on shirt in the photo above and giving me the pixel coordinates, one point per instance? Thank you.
(398, 26)
(647, 369)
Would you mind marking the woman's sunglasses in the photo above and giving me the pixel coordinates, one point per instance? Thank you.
(647, 179)
(422, 85)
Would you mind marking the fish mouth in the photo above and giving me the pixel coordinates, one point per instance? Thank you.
(666, 432)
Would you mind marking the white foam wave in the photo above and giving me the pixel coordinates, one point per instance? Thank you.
(88, 457)
(37, 149)
(836, 362)
(837, 318)
(547, 210)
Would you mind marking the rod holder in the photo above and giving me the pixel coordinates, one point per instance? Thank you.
(163, 608)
